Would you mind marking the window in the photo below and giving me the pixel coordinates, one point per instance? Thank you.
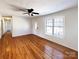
(49, 25)
(55, 27)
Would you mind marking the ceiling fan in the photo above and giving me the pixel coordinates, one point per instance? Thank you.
(29, 12)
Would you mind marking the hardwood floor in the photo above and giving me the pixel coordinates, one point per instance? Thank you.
(33, 47)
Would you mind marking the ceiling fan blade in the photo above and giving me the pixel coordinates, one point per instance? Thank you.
(17, 8)
(35, 13)
(25, 13)
(32, 15)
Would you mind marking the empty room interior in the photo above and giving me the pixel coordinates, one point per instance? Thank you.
(38, 29)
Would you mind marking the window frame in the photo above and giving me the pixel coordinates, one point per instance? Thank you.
(55, 26)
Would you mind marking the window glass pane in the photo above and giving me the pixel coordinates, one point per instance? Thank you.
(49, 23)
(49, 30)
(58, 22)
(49, 20)
(58, 31)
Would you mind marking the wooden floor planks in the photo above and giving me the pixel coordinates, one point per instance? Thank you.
(32, 47)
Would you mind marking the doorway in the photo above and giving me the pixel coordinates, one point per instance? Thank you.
(6, 24)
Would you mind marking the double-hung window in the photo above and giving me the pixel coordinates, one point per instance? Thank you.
(55, 27)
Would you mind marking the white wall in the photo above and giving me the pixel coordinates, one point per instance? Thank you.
(21, 26)
(71, 22)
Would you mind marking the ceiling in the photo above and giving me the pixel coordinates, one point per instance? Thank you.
(42, 6)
